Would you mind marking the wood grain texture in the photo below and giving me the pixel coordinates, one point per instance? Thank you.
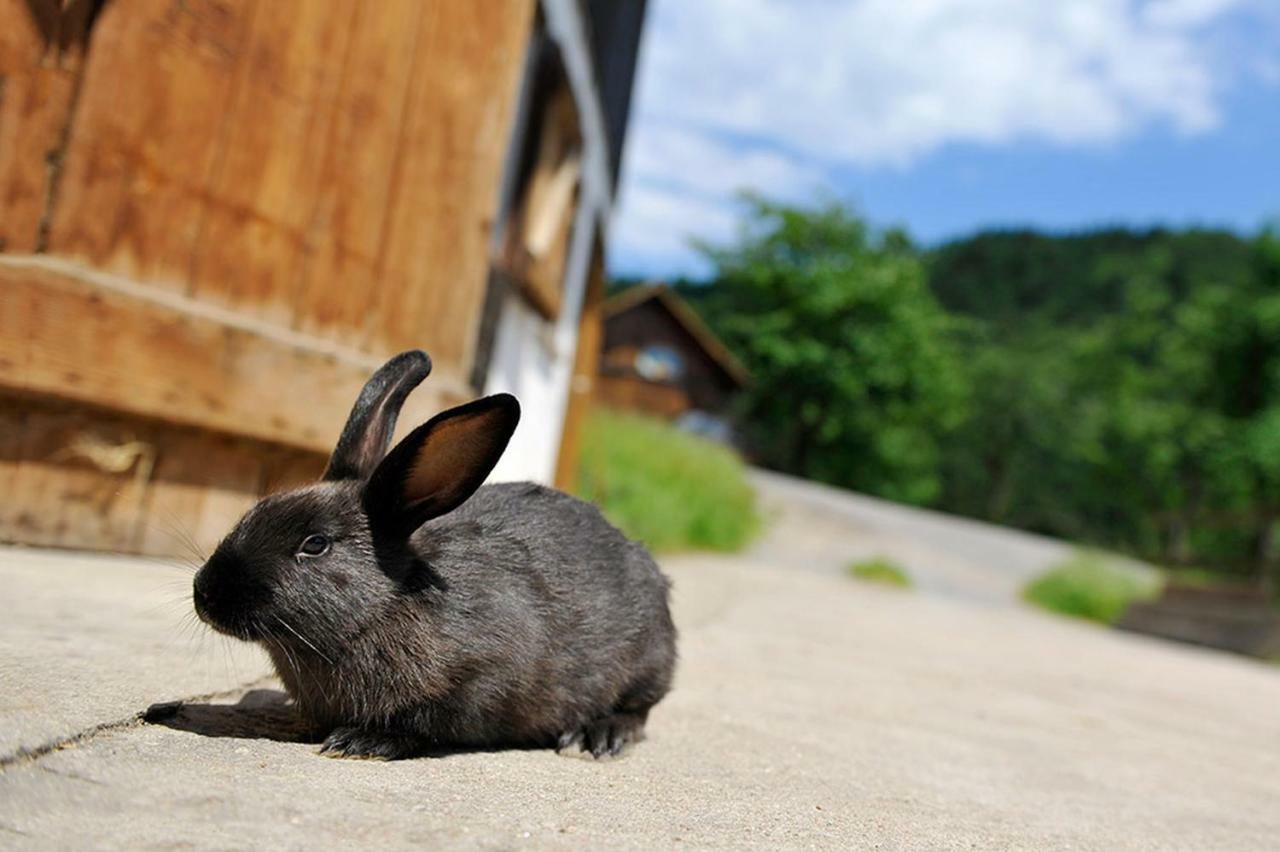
(91, 479)
(80, 340)
(13, 431)
(363, 148)
(81, 481)
(147, 135)
(175, 501)
(459, 121)
(203, 483)
(41, 55)
(269, 169)
(331, 168)
(217, 217)
(287, 469)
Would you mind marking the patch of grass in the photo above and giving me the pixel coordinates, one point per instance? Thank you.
(880, 570)
(669, 489)
(1198, 577)
(1091, 586)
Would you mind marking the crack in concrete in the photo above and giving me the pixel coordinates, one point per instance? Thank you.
(27, 754)
(30, 754)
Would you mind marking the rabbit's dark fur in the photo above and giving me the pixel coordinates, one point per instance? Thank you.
(516, 617)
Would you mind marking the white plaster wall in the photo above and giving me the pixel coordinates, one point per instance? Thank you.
(533, 358)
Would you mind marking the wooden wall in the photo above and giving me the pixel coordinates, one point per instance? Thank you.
(633, 393)
(216, 217)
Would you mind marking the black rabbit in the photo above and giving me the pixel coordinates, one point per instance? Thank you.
(404, 617)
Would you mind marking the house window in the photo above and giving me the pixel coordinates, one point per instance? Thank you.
(659, 363)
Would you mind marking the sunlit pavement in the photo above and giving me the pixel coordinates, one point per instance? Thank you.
(818, 528)
(810, 710)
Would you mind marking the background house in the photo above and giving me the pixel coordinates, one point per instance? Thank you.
(216, 218)
(659, 358)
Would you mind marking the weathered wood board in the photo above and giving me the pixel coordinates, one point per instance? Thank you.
(76, 339)
(41, 55)
(85, 478)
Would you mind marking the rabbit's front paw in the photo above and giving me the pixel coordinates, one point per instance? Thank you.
(605, 736)
(369, 744)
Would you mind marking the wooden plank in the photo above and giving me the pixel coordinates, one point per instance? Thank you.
(250, 244)
(106, 344)
(633, 393)
(81, 482)
(24, 513)
(13, 423)
(363, 149)
(147, 135)
(204, 483)
(291, 469)
(80, 477)
(175, 501)
(232, 485)
(459, 124)
(24, 33)
(41, 54)
(586, 368)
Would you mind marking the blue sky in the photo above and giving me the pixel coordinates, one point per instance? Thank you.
(947, 116)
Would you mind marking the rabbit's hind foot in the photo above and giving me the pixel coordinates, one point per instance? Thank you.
(606, 736)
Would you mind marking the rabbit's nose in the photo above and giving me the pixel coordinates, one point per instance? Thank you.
(200, 592)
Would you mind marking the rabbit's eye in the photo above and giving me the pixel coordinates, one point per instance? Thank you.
(314, 545)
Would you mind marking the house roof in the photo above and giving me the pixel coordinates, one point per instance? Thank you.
(687, 318)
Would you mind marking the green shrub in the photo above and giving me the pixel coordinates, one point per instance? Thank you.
(669, 489)
(1091, 586)
(880, 570)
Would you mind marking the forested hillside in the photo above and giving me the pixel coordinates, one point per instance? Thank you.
(1125, 388)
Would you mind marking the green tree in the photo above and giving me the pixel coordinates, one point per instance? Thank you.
(854, 377)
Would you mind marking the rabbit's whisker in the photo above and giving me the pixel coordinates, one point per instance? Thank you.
(166, 522)
(284, 649)
(305, 640)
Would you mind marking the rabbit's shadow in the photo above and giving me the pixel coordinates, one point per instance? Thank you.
(268, 714)
(260, 714)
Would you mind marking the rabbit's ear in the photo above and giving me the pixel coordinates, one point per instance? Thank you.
(368, 432)
(440, 464)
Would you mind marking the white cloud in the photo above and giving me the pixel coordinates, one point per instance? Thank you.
(774, 94)
(682, 183)
(656, 224)
(707, 166)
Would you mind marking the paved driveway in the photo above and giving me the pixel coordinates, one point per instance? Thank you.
(819, 528)
(809, 711)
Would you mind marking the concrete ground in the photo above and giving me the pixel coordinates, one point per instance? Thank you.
(809, 711)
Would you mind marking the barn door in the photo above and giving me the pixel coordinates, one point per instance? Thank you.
(215, 219)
